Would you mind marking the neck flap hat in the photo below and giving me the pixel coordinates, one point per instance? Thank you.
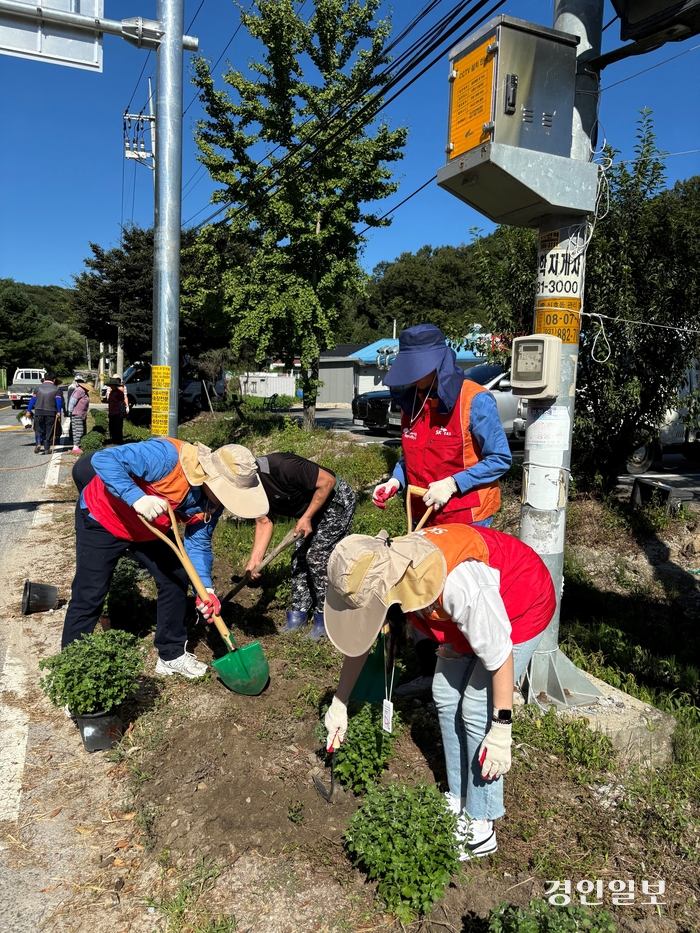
(231, 473)
(368, 575)
(423, 349)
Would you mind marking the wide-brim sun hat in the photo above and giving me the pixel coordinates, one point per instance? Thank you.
(366, 576)
(232, 476)
(422, 349)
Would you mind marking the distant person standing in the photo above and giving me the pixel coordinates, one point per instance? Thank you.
(47, 405)
(78, 409)
(117, 409)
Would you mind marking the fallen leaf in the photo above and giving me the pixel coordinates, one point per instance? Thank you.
(83, 831)
(137, 846)
(119, 862)
(55, 812)
(46, 890)
(129, 816)
(305, 903)
(130, 888)
(48, 758)
(122, 844)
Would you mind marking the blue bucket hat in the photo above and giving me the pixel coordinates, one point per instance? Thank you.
(423, 349)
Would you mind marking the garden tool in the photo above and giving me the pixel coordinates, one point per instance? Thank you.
(288, 539)
(320, 787)
(243, 670)
(371, 685)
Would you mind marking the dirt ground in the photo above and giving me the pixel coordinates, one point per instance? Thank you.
(207, 811)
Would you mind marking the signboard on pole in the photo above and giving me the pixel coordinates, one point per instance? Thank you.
(559, 288)
(50, 42)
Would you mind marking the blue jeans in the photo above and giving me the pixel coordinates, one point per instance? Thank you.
(462, 690)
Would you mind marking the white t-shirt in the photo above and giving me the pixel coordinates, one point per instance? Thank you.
(472, 599)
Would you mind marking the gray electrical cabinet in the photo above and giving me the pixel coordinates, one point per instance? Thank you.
(511, 109)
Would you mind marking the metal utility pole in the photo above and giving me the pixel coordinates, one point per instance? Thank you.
(120, 353)
(558, 302)
(168, 218)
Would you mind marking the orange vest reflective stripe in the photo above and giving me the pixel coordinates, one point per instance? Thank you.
(121, 519)
(525, 583)
(439, 445)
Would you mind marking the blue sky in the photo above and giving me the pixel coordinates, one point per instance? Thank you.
(65, 182)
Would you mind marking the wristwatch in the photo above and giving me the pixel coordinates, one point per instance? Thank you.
(503, 717)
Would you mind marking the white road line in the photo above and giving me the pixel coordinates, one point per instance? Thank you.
(53, 469)
(14, 728)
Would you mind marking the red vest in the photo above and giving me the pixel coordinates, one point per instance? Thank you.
(436, 446)
(121, 519)
(526, 586)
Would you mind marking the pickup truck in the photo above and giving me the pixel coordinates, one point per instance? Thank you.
(24, 381)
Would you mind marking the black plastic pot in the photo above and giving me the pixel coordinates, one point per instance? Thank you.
(100, 731)
(38, 597)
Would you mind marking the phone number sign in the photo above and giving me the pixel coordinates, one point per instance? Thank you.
(559, 288)
(559, 317)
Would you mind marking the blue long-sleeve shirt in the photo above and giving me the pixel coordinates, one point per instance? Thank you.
(151, 461)
(486, 429)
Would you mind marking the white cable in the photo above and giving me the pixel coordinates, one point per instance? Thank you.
(601, 330)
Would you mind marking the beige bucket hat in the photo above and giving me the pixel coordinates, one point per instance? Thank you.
(368, 575)
(232, 476)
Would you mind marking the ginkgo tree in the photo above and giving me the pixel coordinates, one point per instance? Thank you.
(300, 157)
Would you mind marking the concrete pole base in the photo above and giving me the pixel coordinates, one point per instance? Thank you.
(551, 678)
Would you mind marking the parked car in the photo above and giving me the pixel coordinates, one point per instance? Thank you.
(24, 381)
(370, 409)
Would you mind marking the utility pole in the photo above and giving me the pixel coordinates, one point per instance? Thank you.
(120, 353)
(560, 291)
(168, 218)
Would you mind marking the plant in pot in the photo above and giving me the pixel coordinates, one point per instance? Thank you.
(92, 677)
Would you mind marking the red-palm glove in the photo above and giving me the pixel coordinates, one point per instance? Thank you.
(385, 491)
(209, 607)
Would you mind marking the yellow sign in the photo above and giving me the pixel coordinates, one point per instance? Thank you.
(471, 101)
(159, 423)
(560, 317)
(160, 400)
(550, 239)
(160, 377)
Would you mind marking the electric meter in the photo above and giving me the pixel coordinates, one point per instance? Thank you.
(535, 366)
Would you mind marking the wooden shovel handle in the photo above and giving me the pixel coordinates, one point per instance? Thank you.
(178, 547)
(288, 539)
(416, 491)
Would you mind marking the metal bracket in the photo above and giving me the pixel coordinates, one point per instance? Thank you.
(143, 33)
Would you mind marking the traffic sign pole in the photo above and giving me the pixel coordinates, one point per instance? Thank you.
(559, 295)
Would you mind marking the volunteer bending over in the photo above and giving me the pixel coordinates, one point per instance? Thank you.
(485, 598)
(119, 486)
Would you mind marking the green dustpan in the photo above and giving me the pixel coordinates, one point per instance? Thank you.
(244, 670)
(370, 686)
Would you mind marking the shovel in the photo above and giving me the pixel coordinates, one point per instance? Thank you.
(243, 670)
(371, 684)
(320, 786)
(288, 539)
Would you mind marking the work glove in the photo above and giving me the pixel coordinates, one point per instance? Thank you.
(208, 608)
(385, 491)
(494, 753)
(151, 507)
(440, 492)
(336, 723)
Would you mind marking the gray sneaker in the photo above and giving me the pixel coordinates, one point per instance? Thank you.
(187, 665)
(414, 687)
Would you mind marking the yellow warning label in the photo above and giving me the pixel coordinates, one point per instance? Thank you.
(559, 317)
(160, 377)
(160, 400)
(159, 423)
(472, 99)
(550, 239)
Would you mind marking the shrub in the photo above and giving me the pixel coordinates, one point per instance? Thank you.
(363, 757)
(403, 837)
(96, 672)
(92, 441)
(541, 917)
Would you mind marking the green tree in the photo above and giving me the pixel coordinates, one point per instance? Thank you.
(642, 268)
(295, 210)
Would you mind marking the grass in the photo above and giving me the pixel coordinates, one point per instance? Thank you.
(184, 910)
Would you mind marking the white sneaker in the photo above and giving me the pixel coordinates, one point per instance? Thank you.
(454, 804)
(475, 838)
(187, 665)
(414, 687)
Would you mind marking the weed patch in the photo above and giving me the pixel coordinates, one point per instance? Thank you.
(588, 753)
(539, 917)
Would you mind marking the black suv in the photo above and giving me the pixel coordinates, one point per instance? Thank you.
(371, 409)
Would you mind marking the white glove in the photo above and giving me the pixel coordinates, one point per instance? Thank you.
(440, 492)
(336, 723)
(494, 752)
(385, 491)
(151, 507)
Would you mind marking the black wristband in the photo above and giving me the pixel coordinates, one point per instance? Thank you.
(503, 717)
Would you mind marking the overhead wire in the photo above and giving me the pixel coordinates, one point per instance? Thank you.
(400, 204)
(195, 15)
(650, 68)
(428, 43)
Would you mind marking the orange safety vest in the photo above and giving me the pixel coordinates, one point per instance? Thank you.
(525, 583)
(122, 520)
(436, 446)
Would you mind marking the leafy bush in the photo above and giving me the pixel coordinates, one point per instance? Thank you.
(92, 441)
(363, 757)
(96, 672)
(541, 917)
(404, 837)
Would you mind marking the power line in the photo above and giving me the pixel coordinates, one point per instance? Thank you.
(650, 68)
(133, 93)
(400, 204)
(195, 16)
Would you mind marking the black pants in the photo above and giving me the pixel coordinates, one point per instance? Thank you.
(98, 552)
(116, 428)
(44, 427)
